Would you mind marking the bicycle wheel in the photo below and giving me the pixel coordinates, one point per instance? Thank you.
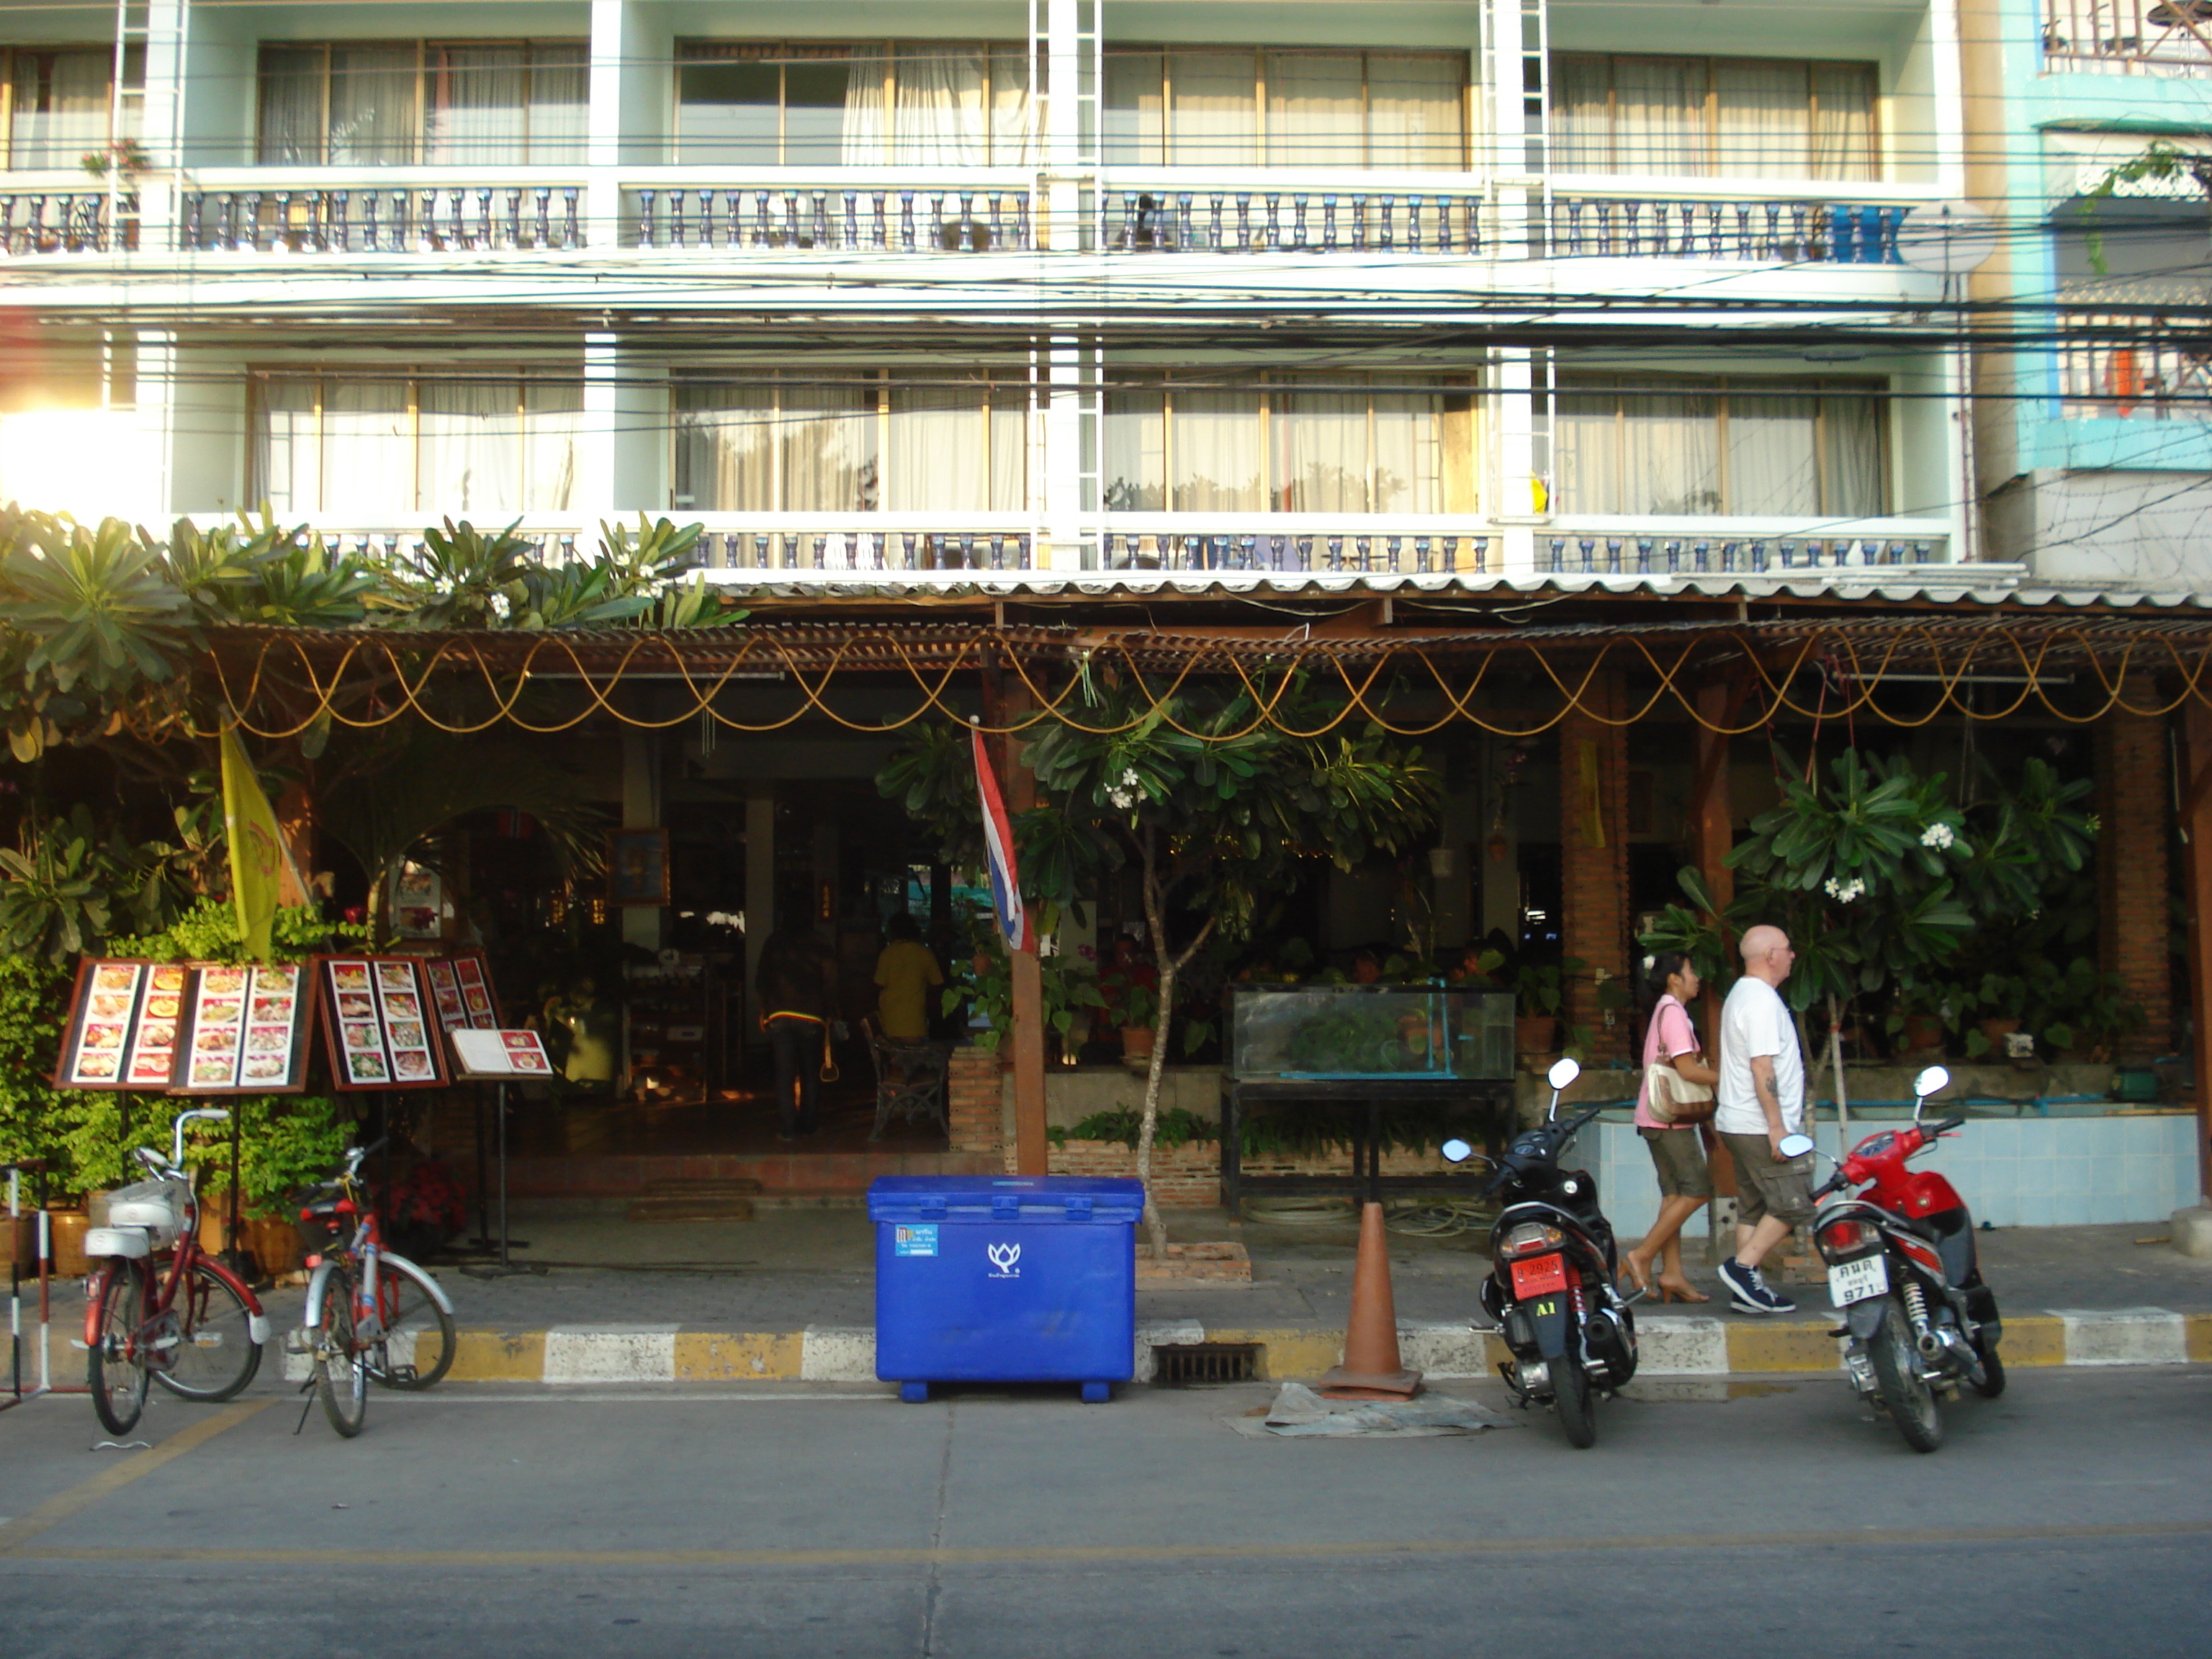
(418, 1349)
(216, 1355)
(116, 1373)
(342, 1366)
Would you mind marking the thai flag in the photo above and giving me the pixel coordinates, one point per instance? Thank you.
(999, 851)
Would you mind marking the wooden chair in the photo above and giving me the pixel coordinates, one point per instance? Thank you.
(909, 1080)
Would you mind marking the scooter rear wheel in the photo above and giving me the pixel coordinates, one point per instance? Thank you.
(1911, 1402)
(1575, 1402)
(1993, 1375)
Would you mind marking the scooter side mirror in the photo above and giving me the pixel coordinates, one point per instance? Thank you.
(1457, 1152)
(1563, 1072)
(1797, 1146)
(1932, 1081)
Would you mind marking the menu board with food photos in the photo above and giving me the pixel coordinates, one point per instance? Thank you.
(501, 1054)
(460, 991)
(377, 1016)
(186, 1027)
(246, 1031)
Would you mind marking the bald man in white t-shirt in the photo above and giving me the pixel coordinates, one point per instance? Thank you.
(1761, 1098)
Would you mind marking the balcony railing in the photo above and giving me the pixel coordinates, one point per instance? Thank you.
(1566, 550)
(829, 216)
(2129, 36)
(1240, 543)
(1793, 233)
(2131, 367)
(1332, 219)
(298, 217)
(63, 222)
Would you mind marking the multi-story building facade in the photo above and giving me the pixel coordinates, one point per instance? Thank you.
(2096, 429)
(1473, 291)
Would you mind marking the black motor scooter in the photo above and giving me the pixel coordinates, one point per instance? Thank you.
(1572, 1333)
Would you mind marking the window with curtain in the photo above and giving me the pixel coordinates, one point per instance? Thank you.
(930, 103)
(375, 445)
(1726, 117)
(397, 103)
(1741, 448)
(1361, 445)
(61, 99)
(872, 443)
(1221, 106)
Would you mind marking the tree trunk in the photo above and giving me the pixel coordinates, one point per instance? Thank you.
(1171, 965)
(1836, 1070)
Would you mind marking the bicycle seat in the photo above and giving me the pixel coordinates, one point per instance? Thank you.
(132, 1242)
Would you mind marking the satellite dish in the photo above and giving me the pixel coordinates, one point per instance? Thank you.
(1947, 239)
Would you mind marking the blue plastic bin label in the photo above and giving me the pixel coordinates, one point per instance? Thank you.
(916, 1238)
(1002, 1258)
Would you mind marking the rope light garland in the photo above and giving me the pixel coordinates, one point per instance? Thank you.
(294, 678)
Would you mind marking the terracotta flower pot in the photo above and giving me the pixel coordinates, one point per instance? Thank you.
(1535, 1034)
(1995, 1031)
(1137, 1042)
(1923, 1033)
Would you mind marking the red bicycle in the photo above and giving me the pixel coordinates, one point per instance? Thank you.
(192, 1326)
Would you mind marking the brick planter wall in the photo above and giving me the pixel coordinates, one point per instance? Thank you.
(1594, 858)
(972, 1102)
(2131, 864)
(1191, 1174)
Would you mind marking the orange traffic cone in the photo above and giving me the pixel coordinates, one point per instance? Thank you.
(1371, 1369)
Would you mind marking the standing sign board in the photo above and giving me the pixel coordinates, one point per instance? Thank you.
(245, 1030)
(460, 991)
(377, 1023)
(187, 1028)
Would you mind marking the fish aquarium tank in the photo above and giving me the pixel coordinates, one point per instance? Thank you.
(1322, 1033)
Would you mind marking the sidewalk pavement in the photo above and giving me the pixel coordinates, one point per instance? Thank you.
(790, 1295)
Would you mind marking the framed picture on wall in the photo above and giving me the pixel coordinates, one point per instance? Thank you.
(637, 867)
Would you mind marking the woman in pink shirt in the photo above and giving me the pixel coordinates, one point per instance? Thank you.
(1677, 1150)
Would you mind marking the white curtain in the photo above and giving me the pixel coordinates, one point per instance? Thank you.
(291, 107)
(368, 452)
(1314, 114)
(1760, 119)
(863, 141)
(1582, 114)
(941, 458)
(1670, 454)
(1136, 125)
(826, 439)
(1215, 452)
(1013, 116)
(551, 413)
(1213, 109)
(1586, 453)
(1320, 451)
(478, 99)
(941, 118)
(1659, 115)
(469, 447)
(1408, 465)
(1852, 428)
(559, 104)
(60, 107)
(287, 468)
(725, 448)
(1414, 112)
(1136, 451)
(1773, 466)
(1010, 450)
(372, 96)
(1842, 121)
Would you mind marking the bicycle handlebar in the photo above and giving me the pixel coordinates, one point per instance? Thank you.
(357, 1156)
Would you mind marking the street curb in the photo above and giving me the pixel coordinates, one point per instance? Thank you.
(1671, 1344)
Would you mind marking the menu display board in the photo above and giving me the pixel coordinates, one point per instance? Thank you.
(495, 1054)
(378, 1022)
(245, 1033)
(187, 1028)
(460, 991)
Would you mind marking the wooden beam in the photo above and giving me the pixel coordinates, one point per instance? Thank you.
(1712, 833)
(1031, 1151)
(2197, 827)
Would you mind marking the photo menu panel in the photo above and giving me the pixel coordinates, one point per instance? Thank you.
(460, 992)
(246, 1033)
(187, 1028)
(380, 1024)
(103, 1018)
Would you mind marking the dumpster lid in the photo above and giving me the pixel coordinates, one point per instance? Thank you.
(1105, 1198)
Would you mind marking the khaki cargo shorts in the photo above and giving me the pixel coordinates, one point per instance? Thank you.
(1763, 1188)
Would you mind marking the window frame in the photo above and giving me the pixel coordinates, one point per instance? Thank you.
(11, 55)
(1874, 390)
(1876, 159)
(1262, 57)
(419, 140)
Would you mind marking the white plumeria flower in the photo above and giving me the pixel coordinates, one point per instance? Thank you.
(1844, 892)
(499, 607)
(1939, 836)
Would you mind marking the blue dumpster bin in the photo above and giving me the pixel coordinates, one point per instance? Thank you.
(1015, 1279)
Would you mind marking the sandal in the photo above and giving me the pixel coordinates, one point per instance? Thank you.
(1681, 1293)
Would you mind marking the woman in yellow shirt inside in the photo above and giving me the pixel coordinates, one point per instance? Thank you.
(905, 974)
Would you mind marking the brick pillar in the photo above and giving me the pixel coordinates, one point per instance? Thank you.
(1594, 860)
(2132, 799)
(973, 1101)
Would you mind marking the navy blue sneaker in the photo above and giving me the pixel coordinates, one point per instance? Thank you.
(1748, 1292)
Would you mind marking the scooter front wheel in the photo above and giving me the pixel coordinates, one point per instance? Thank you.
(1575, 1402)
(1911, 1402)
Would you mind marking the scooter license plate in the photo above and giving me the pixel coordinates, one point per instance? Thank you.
(1856, 1281)
(1540, 1275)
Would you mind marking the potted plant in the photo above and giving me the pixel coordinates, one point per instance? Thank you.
(2004, 998)
(425, 1208)
(1918, 1016)
(1540, 998)
(2078, 1009)
(1138, 1006)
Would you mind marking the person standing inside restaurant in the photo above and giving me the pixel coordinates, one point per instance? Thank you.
(1761, 1098)
(906, 973)
(796, 985)
(1678, 1151)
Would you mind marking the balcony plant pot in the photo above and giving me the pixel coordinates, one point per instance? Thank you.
(1995, 1031)
(1137, 1042)
(1535, 1034)
(1922, 1035)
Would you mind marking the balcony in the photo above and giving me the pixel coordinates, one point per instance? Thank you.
(1269, 213)
(836, 212)
(1295, 544)
(1617, 224)
(1740, 547)
(370, 210)
(2171, 38)
(2128, 366)
(64, 221)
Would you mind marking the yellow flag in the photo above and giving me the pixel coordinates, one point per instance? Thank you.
(257, 846)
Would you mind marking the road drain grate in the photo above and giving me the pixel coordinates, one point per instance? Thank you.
(1191, 1364)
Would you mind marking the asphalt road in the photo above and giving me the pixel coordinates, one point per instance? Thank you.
(2074, 1516)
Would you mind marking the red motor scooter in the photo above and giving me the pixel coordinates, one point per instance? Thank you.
(1904, 1273)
